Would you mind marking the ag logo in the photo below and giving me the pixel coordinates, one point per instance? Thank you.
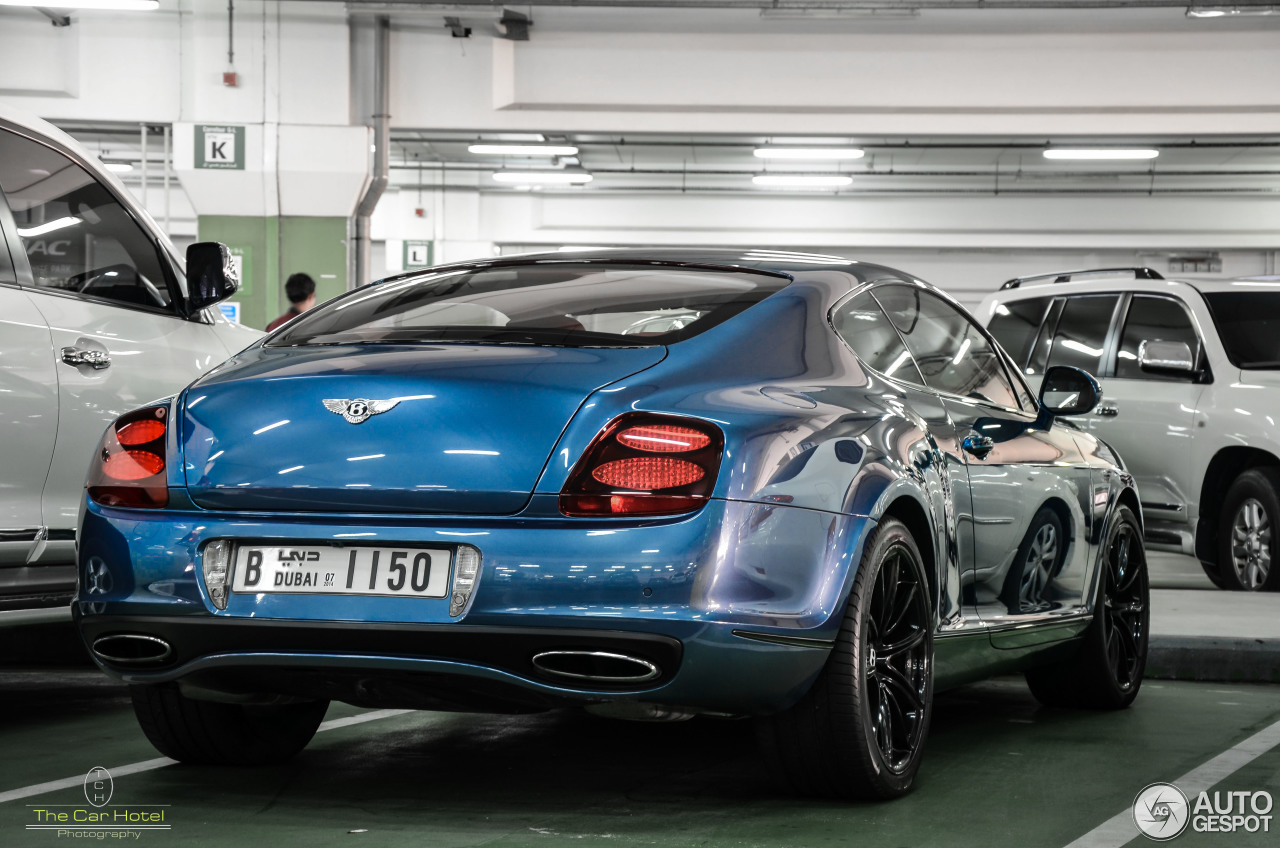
(98, 786)
(1161, 811)
(358, 409)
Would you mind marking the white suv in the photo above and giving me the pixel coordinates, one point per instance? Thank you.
(1190, 374)
(95, 319)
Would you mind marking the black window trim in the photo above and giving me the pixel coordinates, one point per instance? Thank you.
(22, 266)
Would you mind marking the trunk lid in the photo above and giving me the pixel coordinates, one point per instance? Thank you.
(470, 429)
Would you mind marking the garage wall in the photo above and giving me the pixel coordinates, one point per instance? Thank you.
(983, 73)
(1089, 71)
(967, 245)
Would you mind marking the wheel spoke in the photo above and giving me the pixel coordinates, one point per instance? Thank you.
(1127, 656)
(904, 607)
(894, 648)
(896, 680)
(889, 575)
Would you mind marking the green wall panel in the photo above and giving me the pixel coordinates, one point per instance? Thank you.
(270, 249)
(316, 246)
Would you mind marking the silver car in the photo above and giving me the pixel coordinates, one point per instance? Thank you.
(1190, 372)
(95, 319)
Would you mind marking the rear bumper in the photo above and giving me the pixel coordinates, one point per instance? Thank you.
(670, 592)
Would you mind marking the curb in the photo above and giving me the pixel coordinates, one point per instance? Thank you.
(1211, 658)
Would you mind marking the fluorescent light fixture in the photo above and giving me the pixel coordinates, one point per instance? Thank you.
(118, 167)
(543, 177)
(523, 149)
(837, 14)
(1101, 153)
(825, 154)
(48, 227)
(801, 180)
(113, 5)
(1231, 11)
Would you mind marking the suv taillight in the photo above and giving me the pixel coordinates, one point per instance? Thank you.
(129, 467)
(644, 464)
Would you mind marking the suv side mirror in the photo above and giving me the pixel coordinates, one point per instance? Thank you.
(1167, 357)
(211, 278)
(1067, 391)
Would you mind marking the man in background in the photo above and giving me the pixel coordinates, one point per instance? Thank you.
(301, 291)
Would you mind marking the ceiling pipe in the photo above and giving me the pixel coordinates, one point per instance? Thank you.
(381, 154)
(799, 7)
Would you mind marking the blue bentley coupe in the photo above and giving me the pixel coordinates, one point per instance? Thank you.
(651, 484)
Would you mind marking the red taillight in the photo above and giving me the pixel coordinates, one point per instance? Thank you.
(664, 438)
(140, 432)
(645, 464)
(647, 473)
(132, 465)
(129, 467)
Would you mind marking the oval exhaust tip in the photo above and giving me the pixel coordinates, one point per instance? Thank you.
(596, 666)
(132, 648)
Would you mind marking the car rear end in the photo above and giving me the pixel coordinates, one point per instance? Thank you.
(464, 491)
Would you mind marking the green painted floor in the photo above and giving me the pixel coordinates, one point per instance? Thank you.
(999, 771)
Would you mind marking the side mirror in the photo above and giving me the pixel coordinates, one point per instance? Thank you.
(1067, 391)
(1166, 357)
(211, 278)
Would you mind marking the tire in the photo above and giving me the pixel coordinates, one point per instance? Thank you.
(859, 732)
(1247, 536)
(209, 733)
(1037, 561)
(1106, 672)
(1215, 576)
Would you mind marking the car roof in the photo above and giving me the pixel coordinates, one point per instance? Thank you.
(788, 263)
(1097, 285)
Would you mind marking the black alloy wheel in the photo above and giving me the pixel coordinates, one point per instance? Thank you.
(860, 730)
(1124, 612)
(1107, 669)
(897, 664)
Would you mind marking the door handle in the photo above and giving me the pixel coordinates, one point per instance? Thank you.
(979, 446)
(96, 359)
(1107, 409)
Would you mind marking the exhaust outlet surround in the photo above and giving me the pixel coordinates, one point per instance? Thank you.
(597, 666)
(132, 649)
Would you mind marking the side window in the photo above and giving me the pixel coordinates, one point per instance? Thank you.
(1016, 324)
(866, 329)
(1082, 332)
(953, 354)
(77, 237)
(1155, 319)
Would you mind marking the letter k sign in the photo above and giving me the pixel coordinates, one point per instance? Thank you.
(219, 147)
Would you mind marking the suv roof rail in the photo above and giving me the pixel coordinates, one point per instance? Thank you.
(1065, 276)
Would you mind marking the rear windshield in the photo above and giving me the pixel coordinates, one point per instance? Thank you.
(1249, 326)
(562, 304)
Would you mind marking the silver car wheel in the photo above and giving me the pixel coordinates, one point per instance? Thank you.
(1251, 544)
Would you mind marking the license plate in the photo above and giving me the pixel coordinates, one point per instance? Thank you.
(329, 570)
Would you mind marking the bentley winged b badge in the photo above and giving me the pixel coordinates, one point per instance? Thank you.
(358, 410)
